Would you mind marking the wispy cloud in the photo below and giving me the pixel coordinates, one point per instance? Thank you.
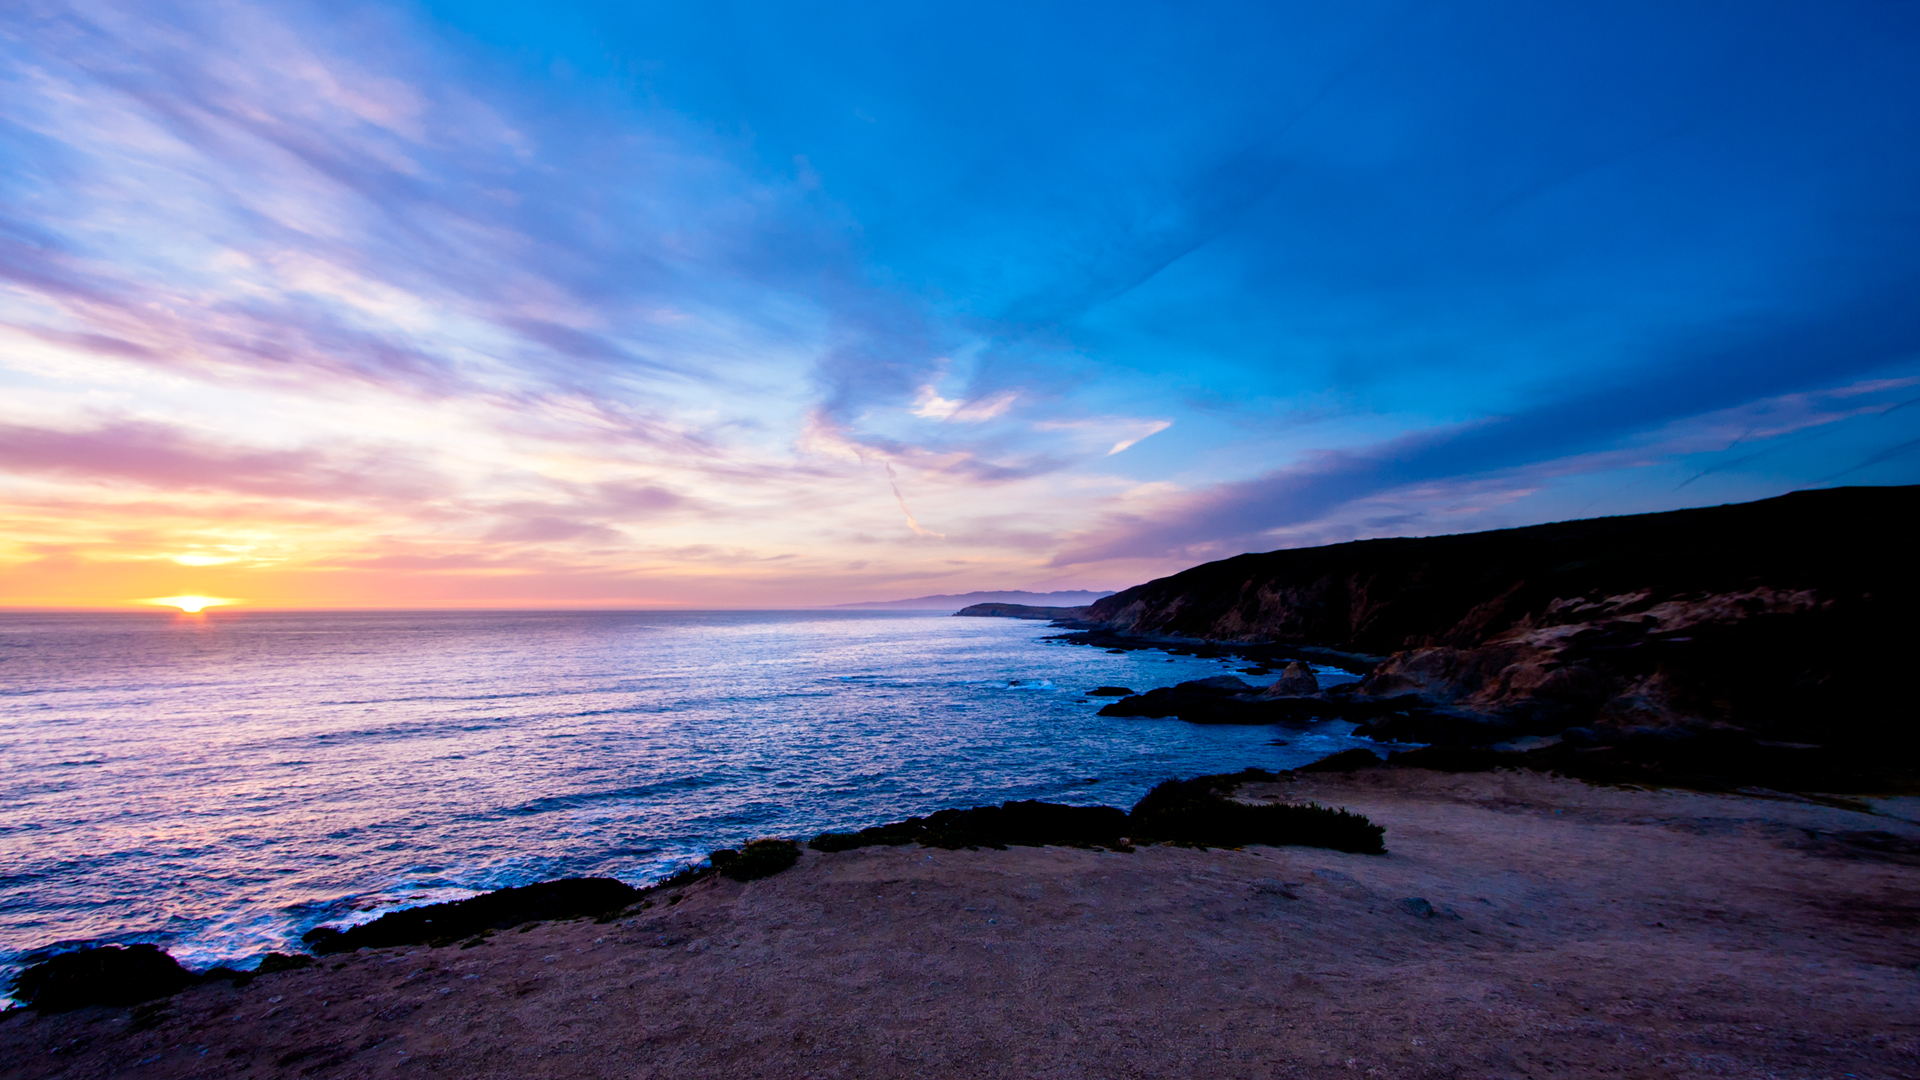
(341, 303)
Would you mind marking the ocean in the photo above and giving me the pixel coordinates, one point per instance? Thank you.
(220, 784)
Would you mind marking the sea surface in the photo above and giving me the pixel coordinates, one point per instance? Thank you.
(219, 784)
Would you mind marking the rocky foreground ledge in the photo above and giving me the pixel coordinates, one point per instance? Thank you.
(1200, 812)
(1521, 925)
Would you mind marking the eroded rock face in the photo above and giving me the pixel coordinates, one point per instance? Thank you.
(1759, 616)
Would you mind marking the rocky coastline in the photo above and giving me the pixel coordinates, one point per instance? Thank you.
(1198, 812)
(1520, 925)
(1718, 687)
(1740, 645)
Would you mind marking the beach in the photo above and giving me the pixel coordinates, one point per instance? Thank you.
(1520, 925)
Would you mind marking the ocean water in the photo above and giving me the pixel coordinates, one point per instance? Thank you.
(220, 784)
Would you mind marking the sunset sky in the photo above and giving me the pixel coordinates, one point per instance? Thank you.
(478, 304)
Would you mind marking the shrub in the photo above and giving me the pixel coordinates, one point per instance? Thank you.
(1030, 823)
(758, 859)
(104, 975)
(1198, 812)
(567, 898)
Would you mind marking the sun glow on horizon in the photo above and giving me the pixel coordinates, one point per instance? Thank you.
(192, 605)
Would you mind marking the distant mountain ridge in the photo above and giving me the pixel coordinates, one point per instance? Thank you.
(952, 603)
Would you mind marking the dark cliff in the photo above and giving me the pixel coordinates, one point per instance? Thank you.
(1782, 616)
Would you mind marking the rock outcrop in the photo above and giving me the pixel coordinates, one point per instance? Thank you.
(1295, 681)
(1780, 618)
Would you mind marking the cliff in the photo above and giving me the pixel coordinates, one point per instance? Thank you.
(1786, 617)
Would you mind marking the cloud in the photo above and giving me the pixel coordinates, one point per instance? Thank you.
(1152, 429)
(1699, 375)
(545, 529)
(165, 457)
(929, 404)
(912, 524)
(317, 285)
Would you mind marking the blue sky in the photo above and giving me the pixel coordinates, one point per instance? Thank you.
(735, 304)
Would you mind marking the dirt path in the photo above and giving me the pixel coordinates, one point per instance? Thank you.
(1560, 930)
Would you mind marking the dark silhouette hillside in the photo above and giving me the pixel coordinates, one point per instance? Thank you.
(1789, 617)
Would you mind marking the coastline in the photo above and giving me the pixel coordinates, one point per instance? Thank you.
(1519, 924)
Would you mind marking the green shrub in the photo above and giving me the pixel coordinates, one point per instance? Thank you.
(758, 859)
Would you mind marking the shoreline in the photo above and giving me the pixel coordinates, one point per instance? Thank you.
(1520, 924)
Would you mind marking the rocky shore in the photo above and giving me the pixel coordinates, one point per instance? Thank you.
(1643, 800)
(1733, 646)
(1518, 925)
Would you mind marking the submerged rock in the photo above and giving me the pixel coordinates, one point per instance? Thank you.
(103, 975)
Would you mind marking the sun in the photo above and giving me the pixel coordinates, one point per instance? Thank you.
(192, 605)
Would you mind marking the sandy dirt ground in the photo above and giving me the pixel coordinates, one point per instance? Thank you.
(1559, 929)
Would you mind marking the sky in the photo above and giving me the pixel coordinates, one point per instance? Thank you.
(488, 304)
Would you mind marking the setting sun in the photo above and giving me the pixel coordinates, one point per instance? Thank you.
(189, 604)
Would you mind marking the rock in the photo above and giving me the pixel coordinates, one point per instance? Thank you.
(1455, 759)
(1223, 699)
(1420, 908)
(104, 975)
(1297, 680)
(1345, 761)
(1110, 691)
(1436, 728)
(567, 898)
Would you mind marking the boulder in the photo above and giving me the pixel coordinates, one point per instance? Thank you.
(1224, 699)
(1297, 680)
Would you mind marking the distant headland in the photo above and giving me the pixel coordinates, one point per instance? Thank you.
(953, 603)
(1753, 641)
